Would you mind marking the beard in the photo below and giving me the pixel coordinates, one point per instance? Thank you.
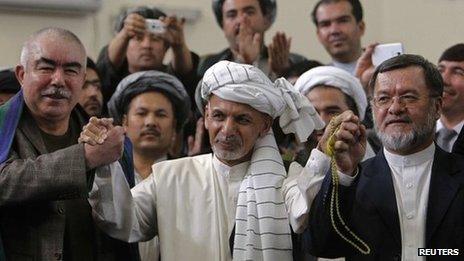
(400, 140)
(229, 155)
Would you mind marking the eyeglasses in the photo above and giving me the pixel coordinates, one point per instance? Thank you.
(407, 100)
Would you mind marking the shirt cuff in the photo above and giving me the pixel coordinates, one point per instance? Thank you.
(346, 180)
(318, 162)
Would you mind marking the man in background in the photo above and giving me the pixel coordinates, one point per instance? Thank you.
(244, 23)
(339, 27)
(450, 135)
(91, 98)
(134, 48)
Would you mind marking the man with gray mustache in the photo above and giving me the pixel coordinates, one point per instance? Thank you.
(54, 92)
(408, 197)
(45, 174)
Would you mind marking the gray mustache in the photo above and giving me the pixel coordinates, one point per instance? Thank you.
(232, 138)
(56, 92)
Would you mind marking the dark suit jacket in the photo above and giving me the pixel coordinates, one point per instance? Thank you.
(369, 206)
(458, 146)
(34, 186)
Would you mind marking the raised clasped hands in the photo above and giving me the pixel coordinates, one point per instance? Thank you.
(103, 142)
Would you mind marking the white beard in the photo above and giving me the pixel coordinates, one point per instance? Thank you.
(400, 141)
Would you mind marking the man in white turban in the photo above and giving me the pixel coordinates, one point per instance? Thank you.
(332, 91)
(238, 201)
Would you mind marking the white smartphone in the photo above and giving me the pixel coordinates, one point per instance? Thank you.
(384, 52)
(155, 26)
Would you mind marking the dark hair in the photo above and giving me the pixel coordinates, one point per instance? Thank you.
(356, 9)
(8, 82)
(268, 8)
(454, 53)
(91, 65)
(297, 69)
(433, 78)
(145, 11)
(350, 102)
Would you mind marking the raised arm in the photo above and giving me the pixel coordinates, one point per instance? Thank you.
(134, 26)
(303, 183)
(347, 142)
(63, 174)
(182, 62)
(128, 215)
(124, 214)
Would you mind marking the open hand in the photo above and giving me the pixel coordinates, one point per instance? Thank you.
(279, 52)
(249, 43)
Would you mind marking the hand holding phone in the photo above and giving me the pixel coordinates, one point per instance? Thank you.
(384, 52)
(155, 26)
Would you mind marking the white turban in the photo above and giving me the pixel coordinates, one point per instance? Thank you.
(337, 78)
(246, 84)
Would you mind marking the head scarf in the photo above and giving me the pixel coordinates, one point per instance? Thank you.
(246, 84)
(337, 78)
(146, 81)
(262, 228)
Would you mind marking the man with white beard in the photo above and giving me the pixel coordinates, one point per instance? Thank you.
(237, 202)
(411, 195)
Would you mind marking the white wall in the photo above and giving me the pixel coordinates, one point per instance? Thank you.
(425, 27)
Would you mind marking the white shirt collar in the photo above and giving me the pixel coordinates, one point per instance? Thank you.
(349, 67)
(236, 172)
(139, 178)
(415, 159)
(457, 128)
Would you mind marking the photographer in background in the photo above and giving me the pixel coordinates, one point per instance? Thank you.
(134, 48)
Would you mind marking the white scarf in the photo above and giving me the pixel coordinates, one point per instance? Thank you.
(337, 78)
(262, 230)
